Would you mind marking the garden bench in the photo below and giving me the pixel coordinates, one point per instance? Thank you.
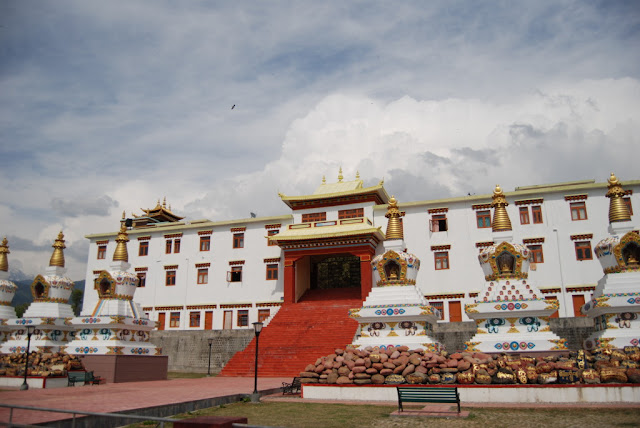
(422, 394)
(291, 388)
(84, 377)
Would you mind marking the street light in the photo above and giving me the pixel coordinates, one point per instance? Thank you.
(210, 340)
(255, 398)
(25, 385)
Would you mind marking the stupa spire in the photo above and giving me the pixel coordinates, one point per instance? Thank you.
(394, 226)
(501, 221)
(121, 254)
(618, 210)
(340, 176)
(57, 258)
(4, 250)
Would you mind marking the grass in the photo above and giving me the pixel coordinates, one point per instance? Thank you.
(303, 415)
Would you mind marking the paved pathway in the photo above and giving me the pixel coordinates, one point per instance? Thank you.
(128, 396)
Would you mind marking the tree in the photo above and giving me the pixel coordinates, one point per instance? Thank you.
(21, 308)
(76, 301)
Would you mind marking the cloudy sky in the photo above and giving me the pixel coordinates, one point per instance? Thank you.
(109, 105)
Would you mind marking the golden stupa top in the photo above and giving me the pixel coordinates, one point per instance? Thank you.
(57, 258)
(618, 210)
(501, 221)
(4, 250)
(394, 225)
(121, 254)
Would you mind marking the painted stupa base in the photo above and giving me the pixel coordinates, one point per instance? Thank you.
(50, 334)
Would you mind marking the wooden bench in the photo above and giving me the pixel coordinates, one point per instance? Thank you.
(291, 388)
(91, 379)
(84, 377)
(422, 394)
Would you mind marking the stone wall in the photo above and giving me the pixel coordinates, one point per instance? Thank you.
(188, 351)
(575, 330)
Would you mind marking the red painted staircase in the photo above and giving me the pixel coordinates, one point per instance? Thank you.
(299, 334)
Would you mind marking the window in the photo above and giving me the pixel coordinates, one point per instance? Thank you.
(578, 211)
(102, 252)
(536, 253)
(536, 212)
(439, 223)
(483, 218)
(272, 271)
(345, 214)
(142, 279)
(311, 217)
(439, 306)
(627, 202)
(194, 319)
(174, 320)
(205, 243)
(176, 246)
(238, 240)
(235, 275)
(143, 249)
(168, 246)
(263, 314)
(203, 276)
(272, 233)
(524, 215)
(171, 278)
(243, 318)
(442, 260)
(583, 250)
(172, 244)
(555, 314)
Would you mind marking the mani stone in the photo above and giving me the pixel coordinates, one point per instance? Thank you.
(394, 379)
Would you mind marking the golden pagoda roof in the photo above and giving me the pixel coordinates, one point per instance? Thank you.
(327, 229)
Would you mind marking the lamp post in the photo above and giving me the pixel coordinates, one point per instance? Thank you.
(210, 340)
(25, 385)
(255, 398)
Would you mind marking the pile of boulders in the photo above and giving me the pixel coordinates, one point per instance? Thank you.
(39, 364)
(403, 365)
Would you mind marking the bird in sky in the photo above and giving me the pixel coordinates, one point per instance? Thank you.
(233, 106)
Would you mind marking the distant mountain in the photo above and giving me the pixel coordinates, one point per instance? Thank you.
(23, 294)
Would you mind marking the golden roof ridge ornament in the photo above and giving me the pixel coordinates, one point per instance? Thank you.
(501, 221)
(340, 177)
(121, 254)
(4, 250)
(57, 258)
(324, 180)
(357, 175)
(394, 226)
(618, 210)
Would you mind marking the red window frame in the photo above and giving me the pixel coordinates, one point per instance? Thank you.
(170, 278)
(272, 272)
(243, 318)
(174, 319)
(536, 253)
(194, 319)
(205, 243)
(271, 233)
(438, 223)
(238, 240)
(203, 275)
(143, 248)
(312, 217)
(583, 250)
(483, 219)
(536, 213)
(176, 245)
(441, 260)
(627, 202)
(263, 314)
(102, 252)
(524, 215)
(142, 279)
(168, 246)
(355, 213)
(236, 274)
(578, 211)
(439, 306)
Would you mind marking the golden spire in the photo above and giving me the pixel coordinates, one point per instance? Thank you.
(340, 177)
(123, 214)
(357, 175)
(501, 220)
(164, 202)
(324, 180)
(394, 226)
(57, 258)
(4, 250)
(121, 254)
(618, 210)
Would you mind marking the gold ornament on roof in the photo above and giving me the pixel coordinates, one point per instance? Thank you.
(618, 210)
(357, 175)
(340, 177)
(394, 225)
(501, 221)
(57, 258)
(4, 250)
(324, 180)
(121, 254)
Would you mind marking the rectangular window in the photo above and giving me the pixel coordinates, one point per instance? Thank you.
(524, 215)
(102, 252)
(171, 278)
(578, 211)
(272, 271)
(440, 307)
(238, 240)
(176, 246)
(483, 218)
(627, 202)
(236, 274)
(536, 212)
(439, 223)
(345, 214)
(168, 246)
(203, 276)
(583, 250)
(143, 249)
(194, 319)
(536, 253)
(263, 314)
(442, 260)
(174, 319)
(142, 279)
(578, 303)
(243, 318)
(205, 243)
(311, 217)
(272, 233)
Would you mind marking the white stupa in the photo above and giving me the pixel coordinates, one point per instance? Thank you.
(7, 291)
(49, 313)
(615, 306)
(395, 313)
(510, 312)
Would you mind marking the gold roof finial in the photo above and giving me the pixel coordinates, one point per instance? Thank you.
(164, 202)
(394, 225)
(121, 254)
(4, 250)
(340, 177)
(381, 182)
(324, 180)
(57, 258)
(618, 210)
(123, 214)
(357, 175)
(501, 221)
